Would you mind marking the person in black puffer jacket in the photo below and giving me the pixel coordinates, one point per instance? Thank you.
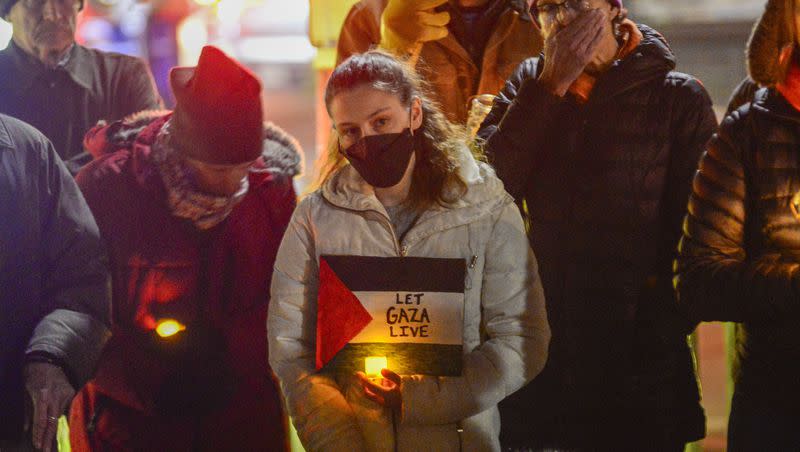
(599, 147)
(739, 257)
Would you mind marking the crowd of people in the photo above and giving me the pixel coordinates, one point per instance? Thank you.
(160, 279)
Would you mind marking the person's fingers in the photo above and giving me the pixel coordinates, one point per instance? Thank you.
(374, 397)
(28, 419)
(49, 435)
(365, 380)
(575, 28)
(371, 390)
(391, 376)
(428, 4)
(589, 28)
(65, 396)
(593, 44)
(374, 387)
(433, 19)
(61, 400)
(39, 399)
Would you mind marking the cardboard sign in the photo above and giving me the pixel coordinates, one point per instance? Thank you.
(409, 310)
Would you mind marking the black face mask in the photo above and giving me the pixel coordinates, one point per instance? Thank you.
(381, 160)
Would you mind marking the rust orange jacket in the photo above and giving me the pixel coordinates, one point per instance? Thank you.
(447, 66)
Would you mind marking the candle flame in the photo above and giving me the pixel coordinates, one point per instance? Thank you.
(374, 364)
(169, 327)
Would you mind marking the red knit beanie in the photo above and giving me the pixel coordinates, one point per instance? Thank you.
(218, 117)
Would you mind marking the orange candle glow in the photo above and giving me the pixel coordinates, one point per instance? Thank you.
(169, 327)
(374, 364)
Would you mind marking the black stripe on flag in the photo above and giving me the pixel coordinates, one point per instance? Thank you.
(404, 359)
(402, 274)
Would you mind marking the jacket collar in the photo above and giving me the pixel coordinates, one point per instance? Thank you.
(346, 189)
(6, 142)
(504, 25)
(77, 65)
(80, 67)
(652, 59)
(770, 102)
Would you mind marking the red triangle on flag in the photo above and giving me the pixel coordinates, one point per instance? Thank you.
(340, 315)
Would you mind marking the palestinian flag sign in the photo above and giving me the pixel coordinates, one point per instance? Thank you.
(407, 309)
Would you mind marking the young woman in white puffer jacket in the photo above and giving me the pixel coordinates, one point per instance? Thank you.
(412, 188)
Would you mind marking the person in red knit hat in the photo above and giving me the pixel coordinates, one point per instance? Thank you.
(192, 205)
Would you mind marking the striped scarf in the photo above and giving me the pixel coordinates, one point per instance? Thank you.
(184, 198)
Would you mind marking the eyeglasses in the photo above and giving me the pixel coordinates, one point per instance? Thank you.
(548, 12)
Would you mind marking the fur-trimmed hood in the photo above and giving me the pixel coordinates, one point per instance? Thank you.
(772, 37)
(281, 155)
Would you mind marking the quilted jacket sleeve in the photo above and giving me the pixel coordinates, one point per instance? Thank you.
(716, 279)
(75, 275)
(322, 416)
(522, 113)
(515, 325)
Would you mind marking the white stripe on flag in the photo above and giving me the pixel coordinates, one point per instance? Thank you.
(412, 317)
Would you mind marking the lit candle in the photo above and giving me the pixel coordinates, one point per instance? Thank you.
(169, 327)
(374, 364)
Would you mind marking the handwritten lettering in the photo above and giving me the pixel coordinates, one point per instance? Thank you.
(408, 319)
(407, 315)
(409, 331)
(410, 298)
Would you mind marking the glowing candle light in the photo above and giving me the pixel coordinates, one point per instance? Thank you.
(169, 327)
(374, 364)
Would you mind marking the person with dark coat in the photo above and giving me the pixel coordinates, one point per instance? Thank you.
(598, 139)
(54, 289)
(193, 205)
(63, 88)
(739, 257)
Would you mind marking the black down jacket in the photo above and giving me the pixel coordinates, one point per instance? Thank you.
(604, 186)
(740, 252)
(54, 282)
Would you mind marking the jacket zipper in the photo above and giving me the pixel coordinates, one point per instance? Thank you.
(401, 250)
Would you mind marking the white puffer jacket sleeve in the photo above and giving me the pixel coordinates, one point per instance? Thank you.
(514, 320)
(323, 418)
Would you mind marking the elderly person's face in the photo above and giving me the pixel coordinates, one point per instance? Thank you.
(221, 180)
(44, 28)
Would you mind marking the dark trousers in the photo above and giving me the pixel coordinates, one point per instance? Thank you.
(759, 422)
(24, 445)
(621, 447)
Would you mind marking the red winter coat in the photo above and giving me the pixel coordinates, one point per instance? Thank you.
(164, 267)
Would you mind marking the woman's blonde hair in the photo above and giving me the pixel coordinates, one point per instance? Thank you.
(435, 178)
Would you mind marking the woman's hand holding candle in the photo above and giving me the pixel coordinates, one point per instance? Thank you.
(387, 393)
